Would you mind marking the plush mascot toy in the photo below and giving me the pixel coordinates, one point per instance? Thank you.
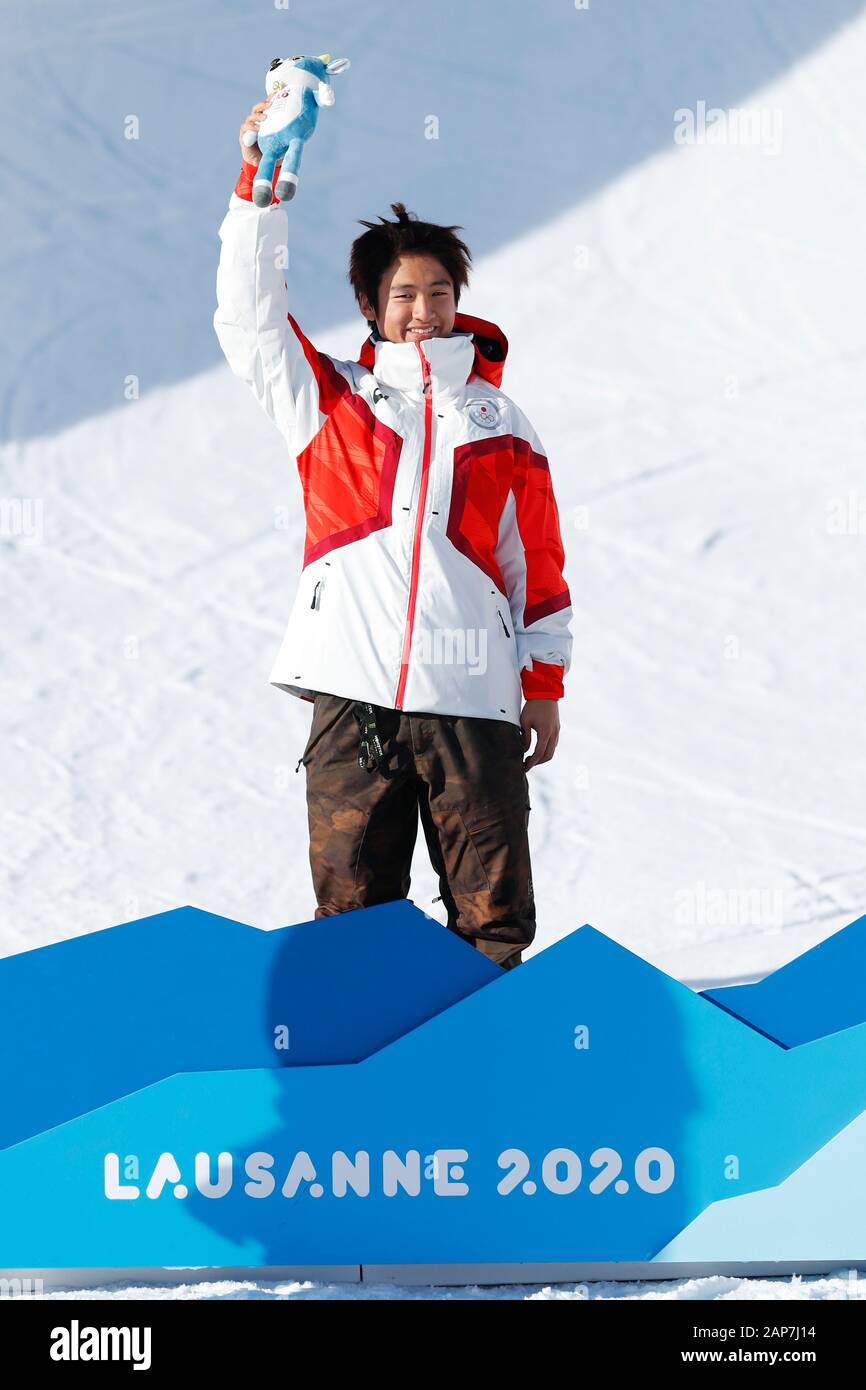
(298, 86)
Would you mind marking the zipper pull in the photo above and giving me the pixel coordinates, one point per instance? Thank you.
(425, 371)
(502, 620)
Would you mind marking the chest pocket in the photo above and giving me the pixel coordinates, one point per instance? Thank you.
(447, 427)
(441, 473)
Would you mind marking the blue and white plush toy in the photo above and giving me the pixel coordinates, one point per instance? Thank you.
(299, 86)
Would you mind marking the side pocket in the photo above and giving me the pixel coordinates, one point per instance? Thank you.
(318, 590)
(308, 745)
(331, 711)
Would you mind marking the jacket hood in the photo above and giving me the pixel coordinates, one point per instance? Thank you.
(490, 343)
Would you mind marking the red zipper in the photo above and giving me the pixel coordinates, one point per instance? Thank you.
(419, 521)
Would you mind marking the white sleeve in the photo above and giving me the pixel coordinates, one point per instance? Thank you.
(261, 341)
(530, 554)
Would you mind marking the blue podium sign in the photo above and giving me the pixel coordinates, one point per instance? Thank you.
(584, 1108)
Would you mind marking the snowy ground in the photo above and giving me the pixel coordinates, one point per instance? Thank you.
(687, 331)
(795, 1289)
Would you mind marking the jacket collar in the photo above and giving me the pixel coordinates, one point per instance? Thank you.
(473, 346)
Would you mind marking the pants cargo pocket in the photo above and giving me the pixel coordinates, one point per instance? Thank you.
(497, 857)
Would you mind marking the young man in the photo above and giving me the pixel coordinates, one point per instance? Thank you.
(432, 599)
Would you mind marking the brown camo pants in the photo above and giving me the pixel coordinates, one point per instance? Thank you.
(465, 777)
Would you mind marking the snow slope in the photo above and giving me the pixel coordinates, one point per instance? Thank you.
(687, 336)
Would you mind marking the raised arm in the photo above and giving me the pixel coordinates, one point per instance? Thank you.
(263, 344)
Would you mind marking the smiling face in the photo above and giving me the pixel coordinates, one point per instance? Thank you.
(416, 300)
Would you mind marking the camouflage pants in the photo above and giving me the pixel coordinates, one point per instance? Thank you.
(465, 778)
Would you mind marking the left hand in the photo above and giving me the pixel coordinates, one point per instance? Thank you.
(543, 717)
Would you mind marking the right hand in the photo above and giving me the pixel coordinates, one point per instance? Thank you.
(251, 153)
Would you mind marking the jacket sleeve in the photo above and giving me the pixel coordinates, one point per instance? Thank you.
(530, 554)
(264, 346)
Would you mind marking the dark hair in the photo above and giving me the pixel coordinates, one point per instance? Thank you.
(374, 251)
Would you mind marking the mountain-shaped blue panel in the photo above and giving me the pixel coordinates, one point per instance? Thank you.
(819, 1207)
(107, 1013)
(587, 1107)
(820, 992)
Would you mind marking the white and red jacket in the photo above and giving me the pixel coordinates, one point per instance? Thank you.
(432, 574)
